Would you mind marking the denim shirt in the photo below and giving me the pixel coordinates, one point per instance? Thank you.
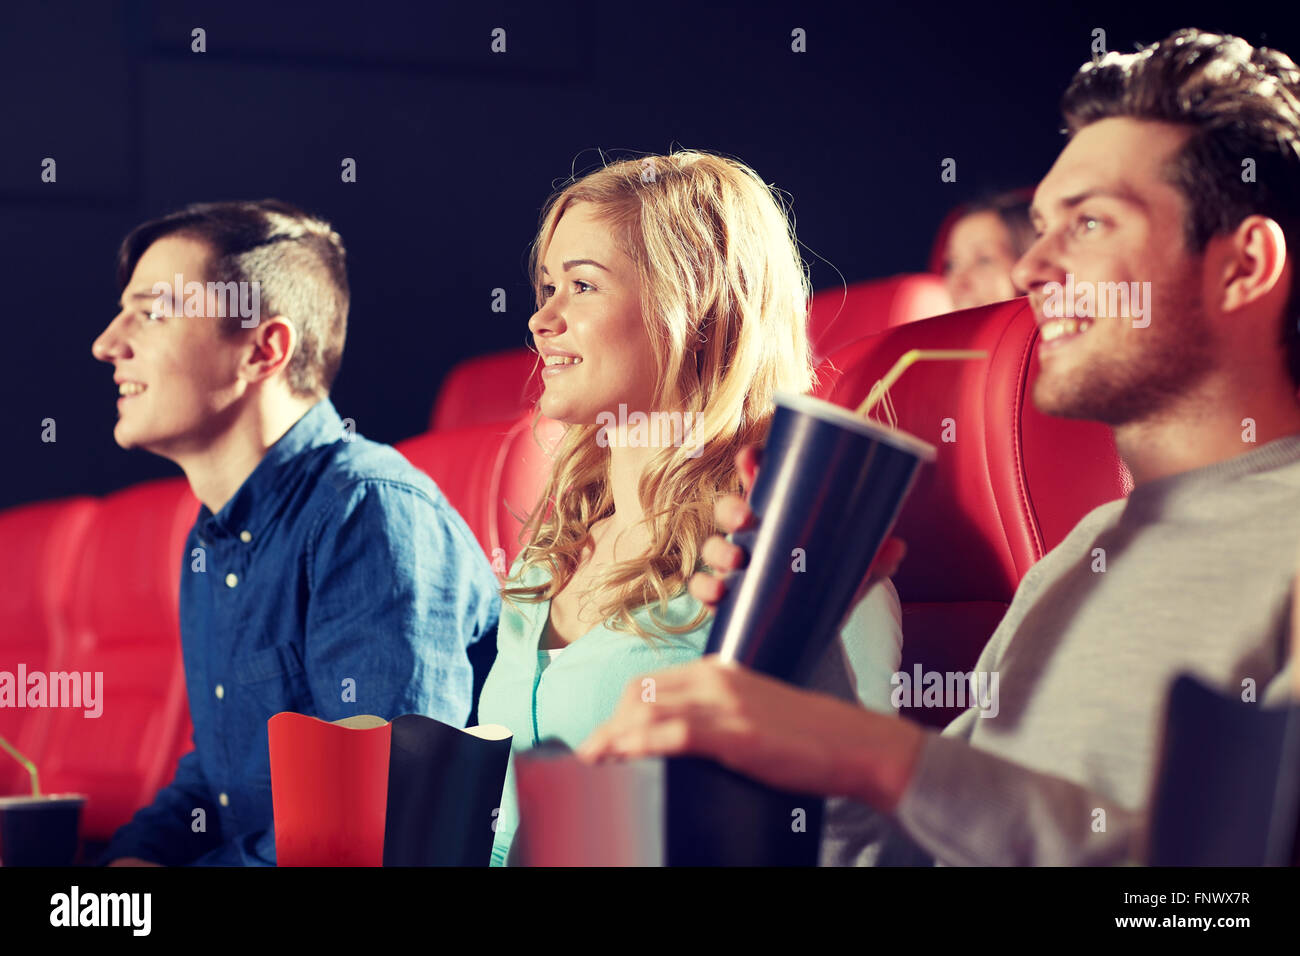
(337, 581)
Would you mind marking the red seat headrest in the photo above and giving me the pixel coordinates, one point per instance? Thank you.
(840, 316)
(488, 389)
(1009, 482)
(492, 474)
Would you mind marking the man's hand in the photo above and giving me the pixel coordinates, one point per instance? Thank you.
(789, 738)
(132, 861)
(732, 513)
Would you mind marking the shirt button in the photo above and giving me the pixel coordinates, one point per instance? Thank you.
(223, 800)
(220, 691)
(245, 536)
(231, 580)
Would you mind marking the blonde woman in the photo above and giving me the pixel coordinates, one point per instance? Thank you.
(670, 307)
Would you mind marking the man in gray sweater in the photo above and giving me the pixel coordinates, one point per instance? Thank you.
(1182, 170)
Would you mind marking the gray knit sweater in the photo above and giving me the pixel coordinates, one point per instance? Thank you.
(1198, 578)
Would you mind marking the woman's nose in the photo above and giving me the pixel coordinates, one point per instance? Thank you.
(959, 282)
(547, 319)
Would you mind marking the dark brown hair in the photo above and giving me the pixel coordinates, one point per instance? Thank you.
(1242, 103)
(297, 260)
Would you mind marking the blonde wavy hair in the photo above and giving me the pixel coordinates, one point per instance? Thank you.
(718, 263)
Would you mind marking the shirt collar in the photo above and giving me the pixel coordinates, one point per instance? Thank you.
(1189, 488)
(259, 498)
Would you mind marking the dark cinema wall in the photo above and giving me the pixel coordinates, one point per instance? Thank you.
(457, 147)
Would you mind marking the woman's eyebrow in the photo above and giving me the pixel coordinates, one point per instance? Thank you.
(570, 263)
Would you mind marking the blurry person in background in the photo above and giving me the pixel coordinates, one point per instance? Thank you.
(982, 246)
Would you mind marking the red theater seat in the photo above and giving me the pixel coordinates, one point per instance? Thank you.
(123, 622)
(488, 389)
(1004, 492)
(40, 548)
(840, 316)
(492, 474)
(96, 586)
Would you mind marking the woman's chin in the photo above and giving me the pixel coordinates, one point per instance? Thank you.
(558, 411)
(568, 411)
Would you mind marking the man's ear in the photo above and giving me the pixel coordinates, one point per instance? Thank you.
(1254, 262)
(270, 346)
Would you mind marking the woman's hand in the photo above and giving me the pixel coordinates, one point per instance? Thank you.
(732, 513)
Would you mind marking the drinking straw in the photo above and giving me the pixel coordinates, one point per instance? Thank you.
(27, 765)
(909, 358)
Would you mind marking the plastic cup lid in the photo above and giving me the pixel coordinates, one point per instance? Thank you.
(45, 799)
(835, 415)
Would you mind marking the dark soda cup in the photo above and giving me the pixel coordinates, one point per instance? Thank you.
(828, 492)
(40, 831)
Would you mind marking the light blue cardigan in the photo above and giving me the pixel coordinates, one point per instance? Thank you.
(567, 697)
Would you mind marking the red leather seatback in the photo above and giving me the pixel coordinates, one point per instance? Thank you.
(124, 622)
(40, 549)
(492, 474)
(840, 316)
(1009, 487)
(488, 389)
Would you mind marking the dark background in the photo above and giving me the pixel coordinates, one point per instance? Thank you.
(457, 148)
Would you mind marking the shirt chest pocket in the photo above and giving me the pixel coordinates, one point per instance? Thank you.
(275, 677)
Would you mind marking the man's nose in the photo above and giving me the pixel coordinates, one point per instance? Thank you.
(109, 344)
(1036, 267)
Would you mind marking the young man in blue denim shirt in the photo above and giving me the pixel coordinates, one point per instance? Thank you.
(325, 574)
